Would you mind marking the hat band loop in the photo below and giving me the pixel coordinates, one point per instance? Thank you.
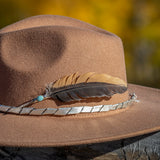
(67, 110)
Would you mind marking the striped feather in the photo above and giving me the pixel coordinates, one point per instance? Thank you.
(76, 87)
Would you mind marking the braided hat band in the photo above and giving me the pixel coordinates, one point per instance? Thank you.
(68, 110)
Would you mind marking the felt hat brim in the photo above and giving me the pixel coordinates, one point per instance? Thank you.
(140, 118)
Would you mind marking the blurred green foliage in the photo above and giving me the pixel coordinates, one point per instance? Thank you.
(137, 22)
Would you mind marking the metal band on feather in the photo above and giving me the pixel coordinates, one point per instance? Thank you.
(68, 110)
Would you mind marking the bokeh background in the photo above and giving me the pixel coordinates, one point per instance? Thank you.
(137, 22)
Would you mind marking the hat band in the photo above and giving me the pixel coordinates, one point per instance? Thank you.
(67, 110)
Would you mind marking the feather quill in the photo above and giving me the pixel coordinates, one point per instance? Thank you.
(76, 87)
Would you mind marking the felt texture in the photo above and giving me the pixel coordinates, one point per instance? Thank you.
(140, 118)
(42, 49)
(34, 53)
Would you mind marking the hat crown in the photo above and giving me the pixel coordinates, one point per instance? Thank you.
(41, 49)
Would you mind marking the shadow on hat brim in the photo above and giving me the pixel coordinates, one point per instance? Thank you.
(138, 119)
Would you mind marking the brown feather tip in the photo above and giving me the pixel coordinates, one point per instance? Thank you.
(77, 87)
(86, 78)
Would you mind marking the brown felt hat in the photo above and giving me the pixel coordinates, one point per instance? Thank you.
(38, 55)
